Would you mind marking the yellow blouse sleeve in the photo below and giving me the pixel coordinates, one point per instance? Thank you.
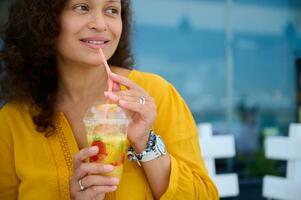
(8, 178)
(189, 178)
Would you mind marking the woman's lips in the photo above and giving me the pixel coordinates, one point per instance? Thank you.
(94, 44)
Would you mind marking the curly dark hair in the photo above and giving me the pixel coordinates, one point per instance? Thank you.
(29, 68)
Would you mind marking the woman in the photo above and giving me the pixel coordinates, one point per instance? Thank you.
(52, 73)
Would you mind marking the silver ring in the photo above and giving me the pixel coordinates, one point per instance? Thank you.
(82, 188)
(142, 100)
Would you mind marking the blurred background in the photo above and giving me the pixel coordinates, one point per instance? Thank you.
(235, 62)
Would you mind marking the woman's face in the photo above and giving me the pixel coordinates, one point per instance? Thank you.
(86, 26)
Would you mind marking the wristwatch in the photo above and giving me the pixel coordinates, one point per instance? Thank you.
(155, 148)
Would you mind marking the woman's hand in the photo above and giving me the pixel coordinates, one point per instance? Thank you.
(140, 106)
(94, 187)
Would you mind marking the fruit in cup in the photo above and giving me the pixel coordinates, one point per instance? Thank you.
(101, 151)
(119, 161)
(106, 126)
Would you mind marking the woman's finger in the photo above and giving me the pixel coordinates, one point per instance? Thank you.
(92, 168)
(131, 96)
(94, 191)
(98, 180)
(131, 103)
(131, 93)
(84, 154)
(132, 106)
(125, 82)
(116, 97)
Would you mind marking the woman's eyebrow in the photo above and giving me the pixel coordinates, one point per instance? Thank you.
(114, 1)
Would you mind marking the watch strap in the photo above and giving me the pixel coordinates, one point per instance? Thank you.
(150, 153)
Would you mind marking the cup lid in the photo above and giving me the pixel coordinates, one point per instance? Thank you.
(106, 114)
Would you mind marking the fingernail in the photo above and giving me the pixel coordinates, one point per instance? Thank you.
(93, 149)
(113, 188)
(115, 180)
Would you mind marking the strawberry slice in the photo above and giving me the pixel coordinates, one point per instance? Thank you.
(101, 151)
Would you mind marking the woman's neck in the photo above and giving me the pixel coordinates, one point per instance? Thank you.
(81, 83)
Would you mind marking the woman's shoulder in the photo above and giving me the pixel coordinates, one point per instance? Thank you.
(13, 109)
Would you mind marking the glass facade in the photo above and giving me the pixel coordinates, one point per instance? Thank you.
(233, 61)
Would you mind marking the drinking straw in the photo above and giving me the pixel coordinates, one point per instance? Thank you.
(110, 82)
(108, 70)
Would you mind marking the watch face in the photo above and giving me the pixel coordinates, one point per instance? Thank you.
(161, 145)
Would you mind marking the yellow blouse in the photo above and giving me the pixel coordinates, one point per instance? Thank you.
(36, 167)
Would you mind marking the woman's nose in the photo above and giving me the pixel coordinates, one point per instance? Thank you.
(98, 22)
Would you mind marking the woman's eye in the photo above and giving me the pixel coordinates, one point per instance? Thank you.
(81, 8)
(112, 11)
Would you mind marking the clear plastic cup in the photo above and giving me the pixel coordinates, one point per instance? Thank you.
(106, 127)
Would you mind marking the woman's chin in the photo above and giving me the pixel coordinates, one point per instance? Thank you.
(92, 62)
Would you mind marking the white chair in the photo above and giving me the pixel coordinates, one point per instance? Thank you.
(285, 148)
(214, 147)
